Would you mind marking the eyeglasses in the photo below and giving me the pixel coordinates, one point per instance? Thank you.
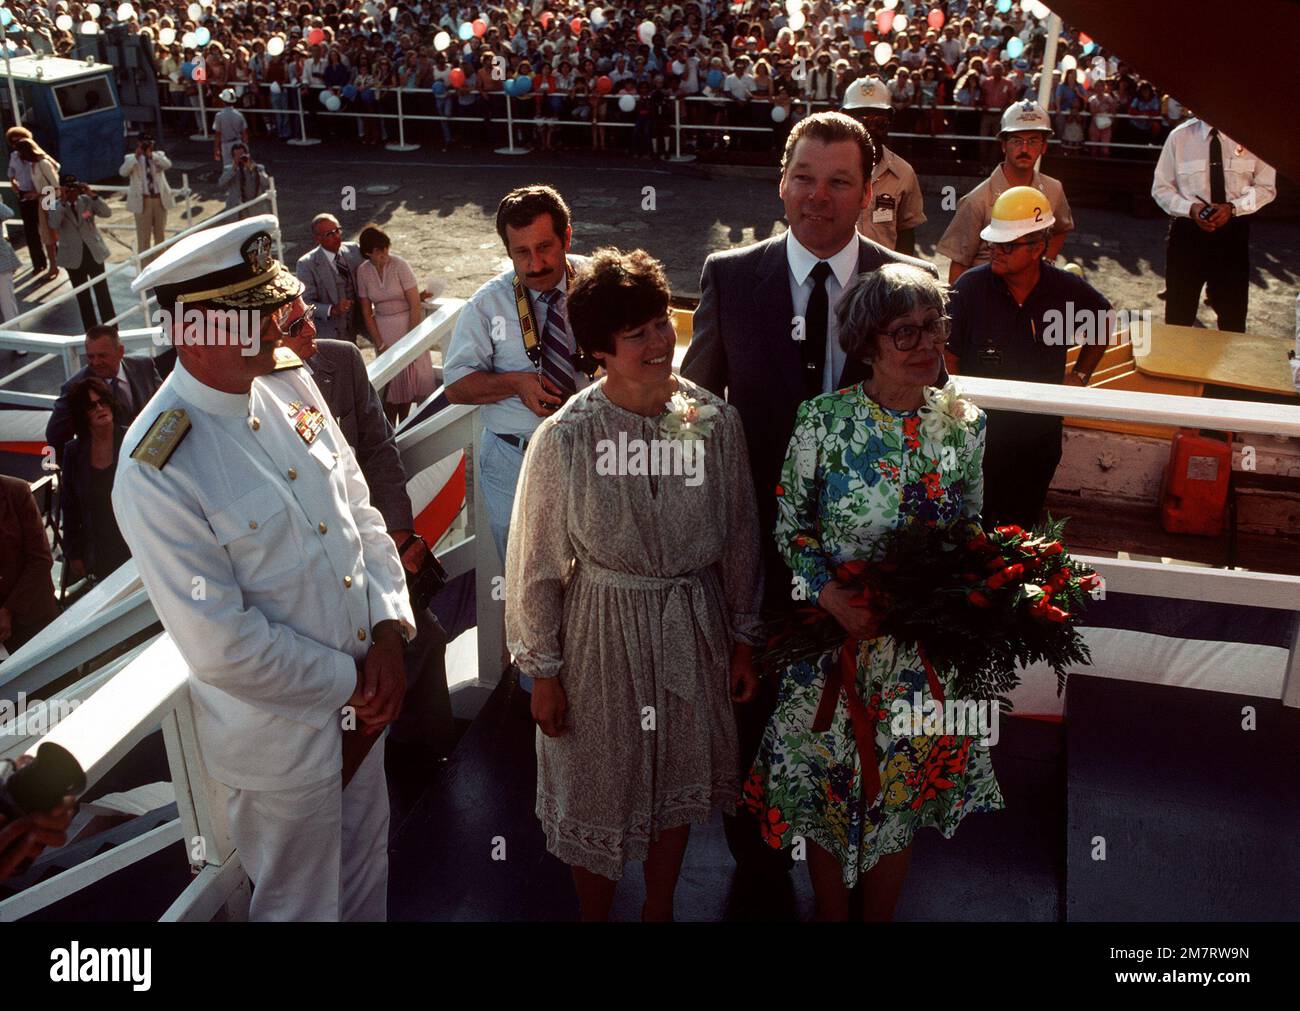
(1011, 247)
(908, 336)
(1032, 140)
(296, 326)
(331, 233)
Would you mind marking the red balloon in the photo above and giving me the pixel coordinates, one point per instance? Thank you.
(546, 19)
(1084, 39)
(935, 19)
(604, 85)
(885, 22)
(315, 37)
(479, 26)
(456, 78)
(575, 26)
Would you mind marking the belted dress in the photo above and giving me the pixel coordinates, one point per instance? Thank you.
(632, 569)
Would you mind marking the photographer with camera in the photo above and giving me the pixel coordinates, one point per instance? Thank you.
(81, 248)
(149, 197)
(242, 180)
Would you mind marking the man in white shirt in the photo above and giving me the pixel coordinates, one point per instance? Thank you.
(1209, 185)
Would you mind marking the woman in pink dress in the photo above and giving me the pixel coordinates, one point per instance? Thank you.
(390, 306)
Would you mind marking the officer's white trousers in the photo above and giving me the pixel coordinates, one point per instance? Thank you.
(316, 853)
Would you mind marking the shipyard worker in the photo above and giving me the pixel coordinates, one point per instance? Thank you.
(513, 349)
(1210, 186)
(251, 525)
(131, 378)
(229, 127)
(1015, 318)
(897, 207)
(1025, 129)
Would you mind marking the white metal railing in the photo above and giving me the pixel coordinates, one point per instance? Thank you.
(148, 689)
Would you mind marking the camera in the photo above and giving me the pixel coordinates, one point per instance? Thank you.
(40, 786)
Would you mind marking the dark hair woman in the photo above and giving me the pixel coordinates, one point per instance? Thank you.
(92, 544)
(632, 594)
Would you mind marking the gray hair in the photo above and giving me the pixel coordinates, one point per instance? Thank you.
(873, 300)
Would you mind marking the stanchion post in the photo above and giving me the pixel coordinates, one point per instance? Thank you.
(401, 144)
(510, 132)
(303, 140)
(203, 117)
(677, 128)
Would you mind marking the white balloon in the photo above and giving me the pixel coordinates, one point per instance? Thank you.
(334, 103)
(125, 12)
(167, 36)
(275, 87)
(63, 22)
(194, 11)
(598, 17)
(890, 4)
(797, 21)
(89, 28)
(94, 10)
(274, 46)
(779, 114)
(793, 7)
(679, 68)
(883, 53)
(1068, 63)
(188, 40)
(325, 97)
(1040, 10)
(646, 31)
(441, 41)
(627, 103)
(900, 23)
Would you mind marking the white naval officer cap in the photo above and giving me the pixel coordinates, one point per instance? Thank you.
(230, 267)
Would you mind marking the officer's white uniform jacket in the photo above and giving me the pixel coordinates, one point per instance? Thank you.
(268, 567)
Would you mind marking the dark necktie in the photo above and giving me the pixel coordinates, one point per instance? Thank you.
(121, 393)
(346, 290)
(557, 363)
(1218, 189)
(815, 318)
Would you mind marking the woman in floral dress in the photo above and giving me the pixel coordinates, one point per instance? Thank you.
(632, 596)
(863, 462)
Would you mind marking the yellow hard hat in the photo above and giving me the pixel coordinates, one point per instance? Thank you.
(1018, 211)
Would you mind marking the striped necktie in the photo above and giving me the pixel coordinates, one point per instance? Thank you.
(557, 364)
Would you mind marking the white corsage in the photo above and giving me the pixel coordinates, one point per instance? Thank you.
(945, 411)
(687, 418)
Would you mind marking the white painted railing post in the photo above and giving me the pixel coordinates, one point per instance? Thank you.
(510, 131)
(303, 140)
(203, 118)
(401, 144)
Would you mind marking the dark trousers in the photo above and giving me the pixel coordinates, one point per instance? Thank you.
(1218, 261)
(30, 211)
(90, 268)
(1020, 459)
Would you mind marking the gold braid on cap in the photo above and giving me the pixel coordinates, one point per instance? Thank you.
(256, 253)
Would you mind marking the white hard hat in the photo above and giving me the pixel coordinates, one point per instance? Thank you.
(866, 93)
(1024, 116)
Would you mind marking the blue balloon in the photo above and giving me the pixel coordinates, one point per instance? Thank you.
(1004, 6)
(349, 91)
(5, 16)
(202, 36)
(465, 31)
(523, 85)
(1087, 50)
(1015, 47)
(715, 78)
(439, 88)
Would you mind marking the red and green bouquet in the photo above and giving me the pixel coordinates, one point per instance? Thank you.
(978, 604)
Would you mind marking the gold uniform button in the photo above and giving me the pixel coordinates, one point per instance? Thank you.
(361, 634)
(254, 424)
(293, 474)
(252, 524)
(322, 527)
(347, 581)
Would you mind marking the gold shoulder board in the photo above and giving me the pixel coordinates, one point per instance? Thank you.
(164, 435)
(286, 359)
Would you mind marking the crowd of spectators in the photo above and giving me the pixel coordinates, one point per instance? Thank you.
(616, 75)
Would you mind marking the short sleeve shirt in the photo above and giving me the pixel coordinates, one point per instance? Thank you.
(961, 243)
(896, 201)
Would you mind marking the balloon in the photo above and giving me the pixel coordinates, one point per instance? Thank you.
(1084, 39)
(793, 7)
(797, 21)
(935, 19)
(202, 36)
(900, 23)
(439, 88)
(598, 17)
(349, 91)
(715, 78)
(275, 87)
(885, 22)
(575, 26)
(89, 28)
(198, 73)
(679, 68)
(165, 37)
(315, 37)
(479, 27)
(891, 4)
(187, 40)
(94, 10)
(545, 19)
(125, 12)
(333, 104)
(1040, 10)
(325, 97)
(5, 16)
(465, 31)
(779, 114)
(1015, 47)
(646, 31)
(274, 46)
(441, 41)
(883, 53)
(1088, 48)
(1069, 63)
(1004, 6)
(627, 103)
(604, 84)
(64, 23)
(523, 85)
(194, 11)
(456, 78)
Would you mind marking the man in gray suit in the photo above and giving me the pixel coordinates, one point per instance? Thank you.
(82, 250)
(132, 380)
(329, 273)
(765, 337)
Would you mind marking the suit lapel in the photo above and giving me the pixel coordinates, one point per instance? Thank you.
(322, 372)
(774, 315)
(869, 259)
(325, 272)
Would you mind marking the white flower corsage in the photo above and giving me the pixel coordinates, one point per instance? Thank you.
(687, 418)
(945, 411)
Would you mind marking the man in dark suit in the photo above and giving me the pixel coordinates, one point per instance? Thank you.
(765, 337)
(133, 380)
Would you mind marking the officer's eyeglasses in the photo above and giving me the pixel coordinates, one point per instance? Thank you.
(295, 328)
(908, 336)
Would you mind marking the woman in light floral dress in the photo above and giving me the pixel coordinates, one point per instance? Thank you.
(863, 462)
(632, 595)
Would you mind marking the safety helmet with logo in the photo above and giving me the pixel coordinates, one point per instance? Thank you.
(867, 93)
(1021, 117)
(1018, 211)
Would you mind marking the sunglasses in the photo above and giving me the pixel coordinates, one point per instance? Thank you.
(908, 336)
(1011, 247)
(331, 233)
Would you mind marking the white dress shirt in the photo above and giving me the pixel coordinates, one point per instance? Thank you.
(268, 567)
(844, 265)
(1182, 175)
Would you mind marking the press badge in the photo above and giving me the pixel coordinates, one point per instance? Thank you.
(884, 209)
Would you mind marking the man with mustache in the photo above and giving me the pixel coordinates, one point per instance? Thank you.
(512, 350)
(1025, 129)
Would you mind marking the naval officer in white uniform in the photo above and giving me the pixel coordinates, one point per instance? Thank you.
(254, 534)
